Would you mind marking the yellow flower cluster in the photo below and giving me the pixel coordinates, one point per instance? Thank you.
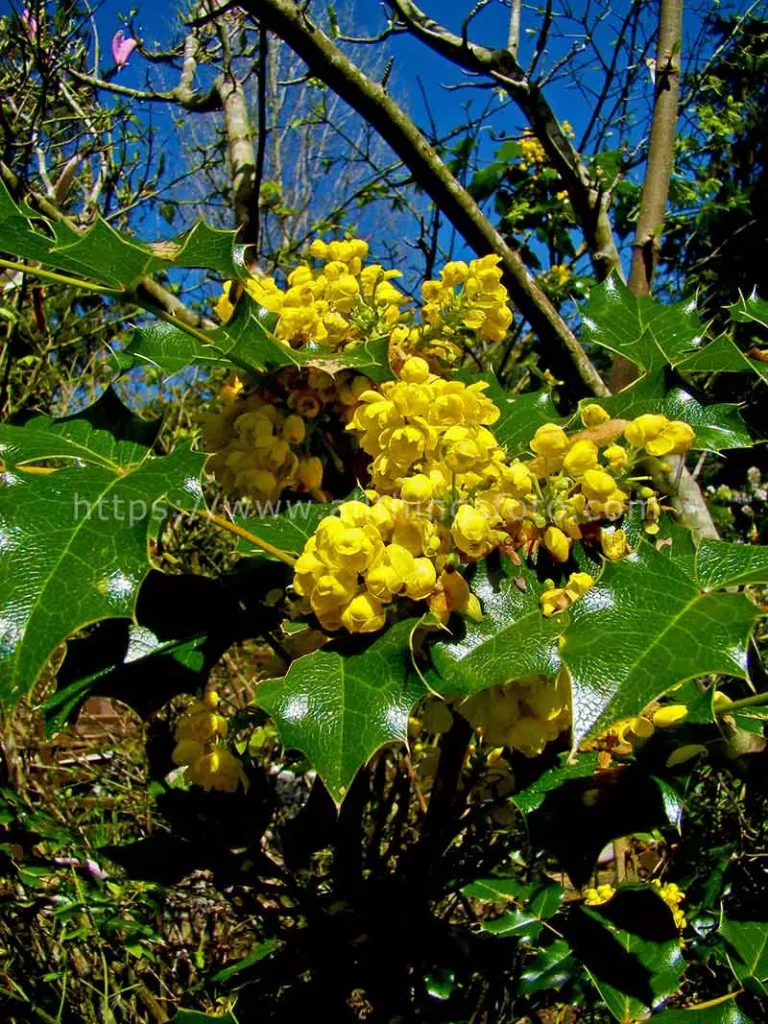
(595, 896)
(336, 305)
(444, 492)
(558, 276)
(523, 715)
(344, 301)
(199, 748)
(467, 297)
(673, 896)
(359, 561)
(261, 442)
(532, 151)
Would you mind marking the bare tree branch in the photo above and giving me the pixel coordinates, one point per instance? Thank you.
(590, 203)
(661, 152)
(327, 62)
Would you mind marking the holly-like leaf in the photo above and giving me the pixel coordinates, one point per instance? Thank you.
(339, 708)
(531, 796)
(647, 625)
(726, 565)
(529, 904)
(718, 427)
(752, 310)
(246, 342)
(105, 434)
(259, 953)
(107, 257)
(550, 968)
(73, 550)
(513, 639)
(722, 355)
(748, 943)
(642, 330)
(171, 350)
(521, 417)
(631, 952)
(145, 658)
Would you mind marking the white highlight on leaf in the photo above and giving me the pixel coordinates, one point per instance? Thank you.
(296, 707)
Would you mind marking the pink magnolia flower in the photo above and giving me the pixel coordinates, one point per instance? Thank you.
(122, 48)
(29, 21)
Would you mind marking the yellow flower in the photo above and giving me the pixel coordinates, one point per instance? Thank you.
(415, 370)
(580, 457)
(310, 473)
(294, 430)
(595, 897)
(550, 440)
(557, 544)
(593, 415)
(675, 439)
(669, 715)
(644, 429)
(421, 582)
(553, 600)
(472, 532)
(616, 456)
(578, 584)
(218, 769)
(416, 490)
(363, 614)
(614, 544)
(598, 484)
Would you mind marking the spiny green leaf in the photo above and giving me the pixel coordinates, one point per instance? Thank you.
(196, 1017)
(752, 310)
(338, 708)
(532, 796)
(725, 565)
(245, 342)
(722, 356)
(631, 952)
(107, 257)
(642, 330)
(105, 434)
(718, 427)
(531, 904)
(513, 639)
(164, 346)
(73, 550)
(143, 652)
(263, 950)
(749, 943)
(550, 968)
(644, 627)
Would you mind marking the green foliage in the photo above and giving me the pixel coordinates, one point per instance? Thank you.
(81, 531)
(339, 708)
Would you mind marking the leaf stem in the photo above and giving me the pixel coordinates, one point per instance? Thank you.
(225, 524)
(187, 328)
(50, 275)
(756, 700)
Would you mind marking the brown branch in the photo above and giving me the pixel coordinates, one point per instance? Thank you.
(328, 63)
(661, 152)
(590, 202)
(661, 158)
